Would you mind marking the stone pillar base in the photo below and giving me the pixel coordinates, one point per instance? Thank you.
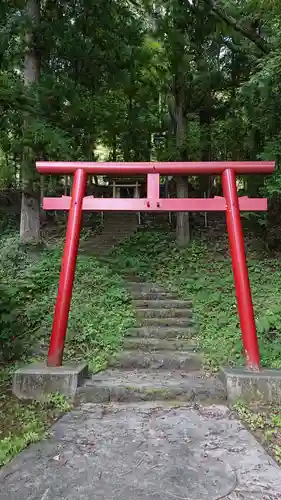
(37, 381)
(244, 385)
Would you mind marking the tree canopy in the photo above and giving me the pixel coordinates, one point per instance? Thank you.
(201, 75)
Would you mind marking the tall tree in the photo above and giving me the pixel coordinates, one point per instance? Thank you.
(30, 208)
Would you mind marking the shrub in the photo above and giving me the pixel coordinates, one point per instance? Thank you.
(11, 326)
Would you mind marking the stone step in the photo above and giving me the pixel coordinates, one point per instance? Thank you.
(183, 322)
(115, 234)
(104, 247)
(119, 224)
(164, 360)
(143, 385)
(164, 313)
(155, 296)
(108, 237)
(114, 227)
(156, 344)
(111, 240)
(162, 332)
(108, 241)
(132, 278)
(163, 304)
(138, 286)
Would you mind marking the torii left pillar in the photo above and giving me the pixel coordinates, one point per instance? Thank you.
(67, 270)
(37, 381)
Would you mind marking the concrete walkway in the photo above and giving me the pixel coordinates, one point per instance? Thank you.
(133, 452)
(153, 426)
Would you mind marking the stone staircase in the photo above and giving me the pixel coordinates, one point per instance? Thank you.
(160, 360)
(116, 227)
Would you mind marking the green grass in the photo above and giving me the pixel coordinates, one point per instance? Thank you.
(100, 309)
(203, 272)
(25, 423)
(100, 314)
(265, 424)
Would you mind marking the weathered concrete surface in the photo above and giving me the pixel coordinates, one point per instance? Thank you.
(144, 385)
(263, 386)
(152, 344)
(140, 287)
(148, 295)
(162, 303)
(148, 312)
(163, 332)
(171, 322)
(158, 453)
(36, 381)
(164, 360)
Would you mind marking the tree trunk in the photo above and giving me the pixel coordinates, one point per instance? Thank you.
(128, 137)
(30, 207)
(114, 147)
(183, 223)
(205, 116)
(235, 83)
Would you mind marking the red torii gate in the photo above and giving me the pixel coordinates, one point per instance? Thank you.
(153, 203)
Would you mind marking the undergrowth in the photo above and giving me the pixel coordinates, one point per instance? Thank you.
(100, 308)
(203, 272)
(100, 314)
(265, 424)
(24, 424)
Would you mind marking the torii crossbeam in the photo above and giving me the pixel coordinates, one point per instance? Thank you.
(230, 203)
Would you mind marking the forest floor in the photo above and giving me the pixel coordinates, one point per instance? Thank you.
(101, 312)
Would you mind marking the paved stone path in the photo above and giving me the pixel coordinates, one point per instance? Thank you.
(158, 452)
(152, 426)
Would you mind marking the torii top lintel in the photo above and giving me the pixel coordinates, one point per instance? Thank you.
(162, 168)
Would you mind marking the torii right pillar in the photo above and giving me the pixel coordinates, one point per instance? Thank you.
(240, 271)
(248, 384)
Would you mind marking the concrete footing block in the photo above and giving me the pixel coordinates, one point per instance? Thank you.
(244, 385)
(37, 381)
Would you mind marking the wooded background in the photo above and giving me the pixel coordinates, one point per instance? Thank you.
(134, 81)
